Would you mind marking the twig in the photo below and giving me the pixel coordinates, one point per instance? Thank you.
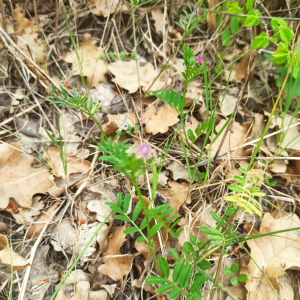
(33, 250)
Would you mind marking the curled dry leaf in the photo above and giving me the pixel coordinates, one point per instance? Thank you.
(19, 263)
(106, 7)
(19, 180)
(91, 64)
(126, 76)
(116, 265)
(159, 120)
(178, 195)
(273, 254)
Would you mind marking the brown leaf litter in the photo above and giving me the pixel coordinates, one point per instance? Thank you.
(90, 65)
(116, 265)
(126, 76)
(105, 7)
(158, 120)
(272, 254)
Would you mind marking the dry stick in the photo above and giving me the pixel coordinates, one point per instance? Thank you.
(56, 20)
(41, 71)
(3, 15)
(229, 126)
(33, 250)
(17, 115)
(204, 162)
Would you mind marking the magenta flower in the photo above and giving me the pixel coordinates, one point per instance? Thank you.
(83, 90)
(196, 11)
(199, 59)
(144, 150)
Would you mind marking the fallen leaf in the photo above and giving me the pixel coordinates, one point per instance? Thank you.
(178, 195)
(290, 138)
(91, 65)
(27, 32)
(74, 164)
(7, 255)
(67, 122)
(159, 120)
(227, 105)
(211, 17)
(102, 210)
(115, 121)
(234, 138)
(4, 228)
(19, 180)
(158, 18)
(116, 265)
(83, 292)
(260, 289)
(77, 276)
(42, 273)
(240, 69)
(126, 76)
(37, 226)
(178, 171)
(274, 254)
(106, 7)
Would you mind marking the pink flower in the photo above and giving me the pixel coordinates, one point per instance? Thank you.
(144, 150)
(196, 11)
(199, 59)
(83, 90)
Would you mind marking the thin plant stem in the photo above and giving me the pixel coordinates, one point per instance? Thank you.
(78, 258)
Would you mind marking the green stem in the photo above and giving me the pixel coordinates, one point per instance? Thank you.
(98, 125)
(78, 258)
(146, 213)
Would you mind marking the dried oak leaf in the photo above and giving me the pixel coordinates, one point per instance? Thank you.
(260, 289)
(19, 180)
(27, 33)
(240, 70)
(159, 120)
(19, 263)
(234, 138)
(274, 254)
(126, 76)
(158, 18)
(291, 139)
(178, 195)
(91, 64)
(116, 265)
(227, 105)
(106, 7)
